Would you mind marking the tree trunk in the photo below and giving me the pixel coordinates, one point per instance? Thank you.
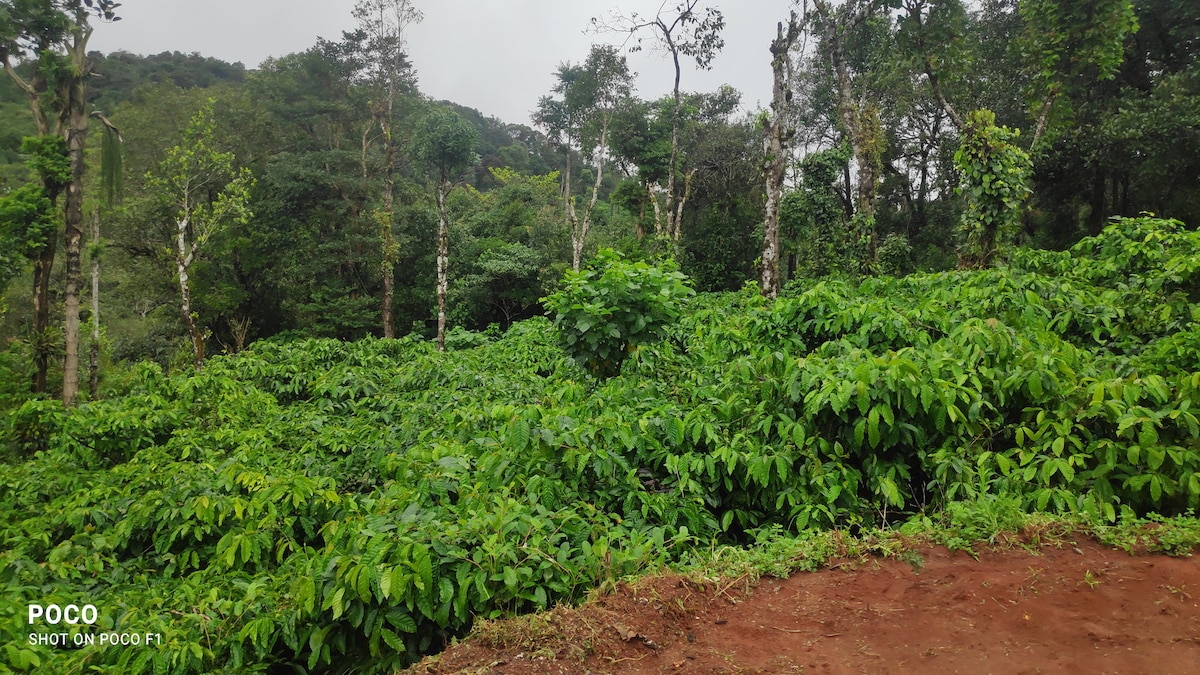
(776, 135)
(94, 356)
(569, 209)
(94, 352)
(391, 249)
(579, 231)
(573, 225)
(914, 13)
(43, 266)
(658, 222)
(687, 192)
(42, 269)
(861, 123)
(183, 261)
(77, 130)
(1096, 201)
(576, 239)
(387, 265)
(769, 284)
(673, 227)
(443, 258)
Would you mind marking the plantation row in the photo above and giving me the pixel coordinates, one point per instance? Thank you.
(337, 506)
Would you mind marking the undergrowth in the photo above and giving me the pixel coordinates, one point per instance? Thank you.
(319, 506)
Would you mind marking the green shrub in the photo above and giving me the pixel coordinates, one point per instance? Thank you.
(317, 502)
(606, 310)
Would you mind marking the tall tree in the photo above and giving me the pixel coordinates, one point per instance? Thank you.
(314, 234)
(719, 247)
(29, 226)
(683, 30)
(860, 118)
(590, 94)
(640, 145)
(778, 131)
(200, 191)
(1069, 43)
(54, 35)
(445, 144)
(1065, 47)
(379, 43)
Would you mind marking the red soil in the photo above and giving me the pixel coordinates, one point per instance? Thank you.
(1075, 607)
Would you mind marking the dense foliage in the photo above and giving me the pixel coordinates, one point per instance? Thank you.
(344, 235)
(995, 174)
(315, 499)
(345, 506)
(605, 312)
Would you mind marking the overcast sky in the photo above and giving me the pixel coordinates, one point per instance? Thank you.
(498, 56)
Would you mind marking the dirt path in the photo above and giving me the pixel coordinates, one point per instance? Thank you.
(1074, 608)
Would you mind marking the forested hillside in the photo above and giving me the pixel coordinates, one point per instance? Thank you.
(1107, 124)
(304, 370)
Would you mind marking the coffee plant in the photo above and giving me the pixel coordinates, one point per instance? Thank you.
(317, 506)
(608, 309)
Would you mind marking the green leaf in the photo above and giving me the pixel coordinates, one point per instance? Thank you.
(335, 602)
(891, 492)
(798, 435)
(1155, 457)
(385, 583)
(1035, 387)
(675, 431)
(518, 435)
(392, 640)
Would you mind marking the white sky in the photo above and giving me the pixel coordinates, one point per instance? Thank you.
(497, 56)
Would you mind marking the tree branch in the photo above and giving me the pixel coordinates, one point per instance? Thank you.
(111, 127)
(1043, 117)
(937, 91)
(32, 94)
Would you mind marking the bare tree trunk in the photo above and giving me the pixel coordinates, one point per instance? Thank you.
(914, 12)
(579, 232)
(687, 192)
(777, 134)
(183, 260)
(391, 249)
(443, 259)
(1042, 118)
(77, 130)
(94, 352)
(364, 149)
(673, 228)
(576, 239)
(569, 211)
(388, 268)
(770, 283)
(658, 222)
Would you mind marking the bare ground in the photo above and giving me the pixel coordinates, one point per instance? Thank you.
(1071, 607)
